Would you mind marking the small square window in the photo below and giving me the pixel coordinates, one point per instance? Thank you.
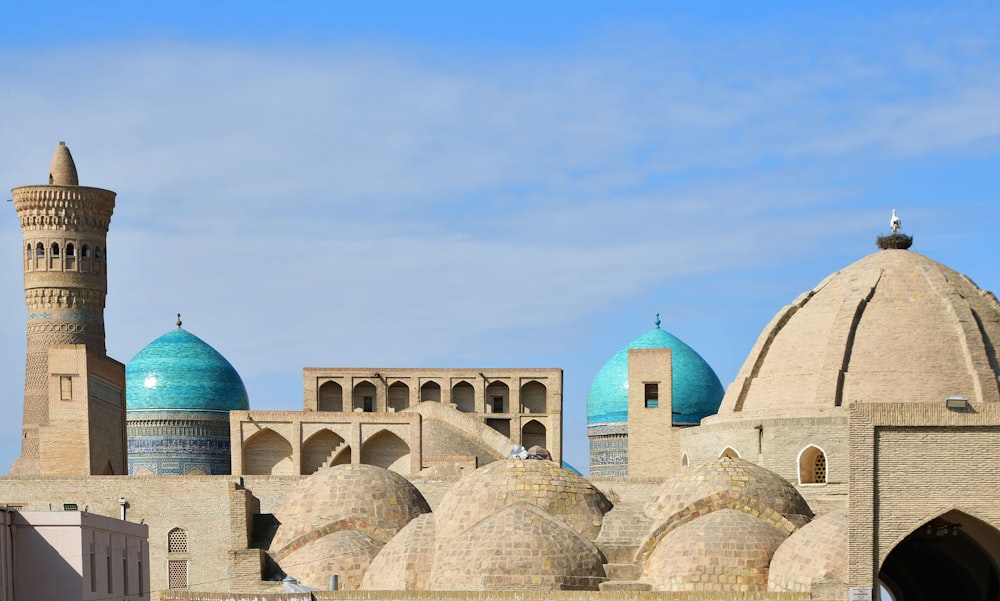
(652, 395)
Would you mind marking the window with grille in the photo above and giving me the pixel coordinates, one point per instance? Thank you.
(178, 573)
(177, 541)
(812, 466)
(819, 468)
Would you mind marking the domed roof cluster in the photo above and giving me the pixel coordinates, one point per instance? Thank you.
(894, 326)
(182, 372)
(717, 526)
(337, 520)
(511, 525)
(696, 390)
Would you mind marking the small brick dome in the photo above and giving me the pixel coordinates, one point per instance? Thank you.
(727, 477)
(726, 551)
(404, 563)
(346, 552)
(816, 552)
(563, 494)
(894, 326)
(377, 501)
(516, 549)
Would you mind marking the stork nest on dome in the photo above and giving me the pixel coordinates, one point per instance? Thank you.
(894, 241)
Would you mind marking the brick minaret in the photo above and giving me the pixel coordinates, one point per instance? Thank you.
(65, 229)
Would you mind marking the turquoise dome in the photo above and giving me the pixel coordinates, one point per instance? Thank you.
(697, 392)
(179, 371)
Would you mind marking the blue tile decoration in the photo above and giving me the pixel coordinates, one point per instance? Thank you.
(697, 392)
(179, 392)
(180, 371)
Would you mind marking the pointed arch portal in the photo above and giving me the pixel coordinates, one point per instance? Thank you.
(953, 556)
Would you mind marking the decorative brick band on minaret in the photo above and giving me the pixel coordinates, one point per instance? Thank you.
(65, 228)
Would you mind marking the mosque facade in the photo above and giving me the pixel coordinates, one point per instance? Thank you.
(852, 456)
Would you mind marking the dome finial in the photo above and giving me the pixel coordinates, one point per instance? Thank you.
(657, 322)
(62, 169)
(179, 322)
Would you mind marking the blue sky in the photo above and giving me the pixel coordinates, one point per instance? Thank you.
(494, 184)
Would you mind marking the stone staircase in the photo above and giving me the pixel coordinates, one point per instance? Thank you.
(333, 454)
(623, 574)
(623, 530)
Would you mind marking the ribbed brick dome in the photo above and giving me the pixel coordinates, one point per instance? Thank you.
(895, 326)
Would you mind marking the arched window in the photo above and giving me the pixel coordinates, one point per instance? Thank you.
(331, 397)
(463, 396)
(27, 251)
(70, 250)
(177, 541)
(399, 396)
(97, 254)
(364, 397)
(533, 434)
(85, 252)
(497, 398)
(430, 391)
(812, 465)
(55, 249)
(730, 452)
(40, 250)
(533, 396)
(684, 460)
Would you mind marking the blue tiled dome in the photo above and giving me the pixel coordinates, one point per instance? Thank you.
(697, 392)
(180, 371)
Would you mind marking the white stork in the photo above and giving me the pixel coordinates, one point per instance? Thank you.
(895, 222)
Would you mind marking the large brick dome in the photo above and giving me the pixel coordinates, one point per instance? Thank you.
(895, 326)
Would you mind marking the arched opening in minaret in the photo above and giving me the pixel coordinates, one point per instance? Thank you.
(85, 252)
(40, 250)
(70, 250)
(55, 250)
(953, 556)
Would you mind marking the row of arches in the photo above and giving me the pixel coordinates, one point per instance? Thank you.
(496, 397)
(269, 453)
(812, 463)
(39, 251)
